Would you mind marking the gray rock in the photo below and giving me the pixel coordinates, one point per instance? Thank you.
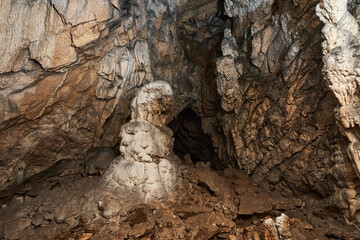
(37, 219)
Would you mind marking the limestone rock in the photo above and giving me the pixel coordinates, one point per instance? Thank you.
(261, 116)
(152, 103)
(56, 51)
(37, 220)
(115, 70)
(147, 166)
(283, 226)
(227, 84)
(207, 225)
(259, 11)
(341, 64)
(229, 45)
(269, 229)
(83, 11)
(85, 33)
(249, 202)
(238, 8)
(32, 24)
(70, 70)
(110, 207)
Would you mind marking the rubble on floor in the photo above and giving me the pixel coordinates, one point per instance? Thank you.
(209, 205)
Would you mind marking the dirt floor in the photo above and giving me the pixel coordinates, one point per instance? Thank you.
(69, 201)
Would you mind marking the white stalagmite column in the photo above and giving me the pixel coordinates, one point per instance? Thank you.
(147, 167)
(341, 70)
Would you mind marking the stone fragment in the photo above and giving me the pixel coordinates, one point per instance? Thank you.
(72, 221)
(207, 225)
(86, 236)
(283, 226)
(67, 213)
(48, 216)
(111, 209)
(269, 229)
(229, 45)
(37, 219)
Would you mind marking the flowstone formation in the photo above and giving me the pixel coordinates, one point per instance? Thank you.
(342, 72)
(147, 166)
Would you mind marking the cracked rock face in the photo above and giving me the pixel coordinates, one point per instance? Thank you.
(69, 71)
(251, 71)
(147, 167)
(277, 116)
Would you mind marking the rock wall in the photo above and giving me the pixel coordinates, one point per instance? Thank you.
(251, 70)
(278, 122)
(68, 72)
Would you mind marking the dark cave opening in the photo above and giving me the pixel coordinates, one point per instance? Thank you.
(191, 139)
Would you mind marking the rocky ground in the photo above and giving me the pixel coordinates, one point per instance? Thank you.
(69, 201)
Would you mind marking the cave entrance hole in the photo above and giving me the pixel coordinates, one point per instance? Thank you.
(191, 139)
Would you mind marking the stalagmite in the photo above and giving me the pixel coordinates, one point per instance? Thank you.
(147, 166)
(342, 72)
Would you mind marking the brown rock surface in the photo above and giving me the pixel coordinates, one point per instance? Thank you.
(255, 85)
(78, 207)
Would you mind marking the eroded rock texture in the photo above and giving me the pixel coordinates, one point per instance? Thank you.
(342, 72)
(251, 72)
(278, 113)
(68, 72)
(147, 167)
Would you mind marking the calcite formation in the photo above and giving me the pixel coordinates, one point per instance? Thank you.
(342, 69)
(275, 119)
(147, 166)
(248, 72)
(279, 230)
(342, 73)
